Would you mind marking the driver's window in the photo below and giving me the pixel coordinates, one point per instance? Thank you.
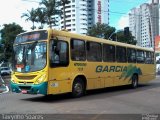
(59, 53)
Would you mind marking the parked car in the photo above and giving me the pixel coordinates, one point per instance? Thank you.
(5, 71)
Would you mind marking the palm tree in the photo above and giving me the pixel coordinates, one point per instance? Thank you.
(63, 3)
(30, 16)
(50, 8)
(40, 17)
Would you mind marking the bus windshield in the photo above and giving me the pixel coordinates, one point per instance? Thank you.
(30, 57)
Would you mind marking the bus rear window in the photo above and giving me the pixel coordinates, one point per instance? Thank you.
(140, 56)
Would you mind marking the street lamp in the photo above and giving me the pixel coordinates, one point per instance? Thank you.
(110, 37)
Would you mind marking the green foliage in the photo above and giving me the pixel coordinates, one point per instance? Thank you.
(30, 16)
(44, 14)
(101, 31)
(125, 39)
(40, 17)
(107, 32)
(50, 8)
(8, 35)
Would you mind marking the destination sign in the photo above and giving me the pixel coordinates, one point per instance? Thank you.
(31, 36)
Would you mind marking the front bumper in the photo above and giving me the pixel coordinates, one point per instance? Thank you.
(29, 89)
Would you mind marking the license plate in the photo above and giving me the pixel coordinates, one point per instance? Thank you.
(24, 91)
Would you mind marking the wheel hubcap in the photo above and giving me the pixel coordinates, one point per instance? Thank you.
(134, 82)
(78, 88)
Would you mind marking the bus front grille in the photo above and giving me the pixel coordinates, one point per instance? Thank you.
(25, 87)
(31, 77)
(25, 82)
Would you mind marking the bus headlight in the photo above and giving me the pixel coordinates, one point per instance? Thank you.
(13, 81)
(41, 79)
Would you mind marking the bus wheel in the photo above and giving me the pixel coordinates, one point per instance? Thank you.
(134, 81)
(78, 88)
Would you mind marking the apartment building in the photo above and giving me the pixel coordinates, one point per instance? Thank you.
(144, 23)
(82, 14)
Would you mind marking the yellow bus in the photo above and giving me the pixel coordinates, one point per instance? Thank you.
(54, 62)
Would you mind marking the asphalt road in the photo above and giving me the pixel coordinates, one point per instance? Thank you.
(117, 100)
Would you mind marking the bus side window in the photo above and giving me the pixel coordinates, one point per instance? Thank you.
(108, 53)
(121, 54)
(78, 50)
(94, 51)
(131, 55)
(148, 57)
(152, 58)
(59, 55)
(140, 56)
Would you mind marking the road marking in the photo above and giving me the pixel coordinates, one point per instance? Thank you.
(6, 91)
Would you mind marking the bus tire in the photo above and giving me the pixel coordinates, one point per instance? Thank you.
(134, 81)
(78, 88)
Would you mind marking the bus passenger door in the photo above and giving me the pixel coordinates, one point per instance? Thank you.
(59, 81)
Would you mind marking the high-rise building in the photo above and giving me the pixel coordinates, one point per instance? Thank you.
(144, 23)
(82, 14)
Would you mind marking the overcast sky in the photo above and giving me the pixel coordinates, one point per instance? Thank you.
(11, 11)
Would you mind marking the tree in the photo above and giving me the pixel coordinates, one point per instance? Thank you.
(101, 31)
(50, 8)
(121, 37)
(63, 3)
(8, 35)
(40, 17)
(30, 16)
(107, 32)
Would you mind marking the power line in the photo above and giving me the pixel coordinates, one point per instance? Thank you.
(115, 12)
(30, 1)
(122, 13)
(126, 1)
